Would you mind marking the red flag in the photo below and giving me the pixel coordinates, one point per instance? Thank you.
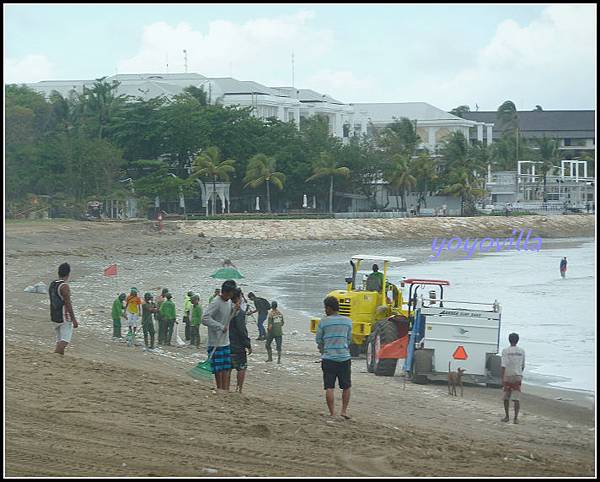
(111, 270)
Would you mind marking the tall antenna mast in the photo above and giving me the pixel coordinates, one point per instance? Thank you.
(185, 59)
(292, 68)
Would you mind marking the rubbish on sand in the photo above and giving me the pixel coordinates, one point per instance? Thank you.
(37, 288)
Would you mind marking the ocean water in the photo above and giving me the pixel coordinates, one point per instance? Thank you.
(554, 317)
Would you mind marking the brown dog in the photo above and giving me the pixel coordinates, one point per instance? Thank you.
(455, 378)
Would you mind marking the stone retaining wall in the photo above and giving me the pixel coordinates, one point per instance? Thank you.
(411, 228)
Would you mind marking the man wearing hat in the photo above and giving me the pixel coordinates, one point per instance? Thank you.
(133, 310)
(148, 309)
(117, 314)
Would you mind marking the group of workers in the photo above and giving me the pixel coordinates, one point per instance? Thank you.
(132, 309)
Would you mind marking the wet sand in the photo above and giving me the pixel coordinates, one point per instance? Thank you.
(109, 410)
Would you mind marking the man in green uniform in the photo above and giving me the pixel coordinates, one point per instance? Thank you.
(274, 331)
(169, 316)
(159, 317)
(187, 306)
(117, 314)
(195, 319)
(148, 309)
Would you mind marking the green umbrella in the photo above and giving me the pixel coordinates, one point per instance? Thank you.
(227, 273)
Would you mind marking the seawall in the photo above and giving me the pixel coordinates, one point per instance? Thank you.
(560, 226)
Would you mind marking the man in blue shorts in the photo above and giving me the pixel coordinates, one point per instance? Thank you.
(217, 317)
(334, 335)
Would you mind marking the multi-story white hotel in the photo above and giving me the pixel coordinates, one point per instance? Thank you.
(287, 104)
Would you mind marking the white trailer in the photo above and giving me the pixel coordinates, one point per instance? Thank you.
(445, 331)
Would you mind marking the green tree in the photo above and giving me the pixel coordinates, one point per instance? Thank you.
(100, 106)
(399, 137)
(425, 170)
(462, 184)
(262, 170)
(399, 176)
(326, 166)
(460, 111)
(507, 118)
(209, 164)
(549, 155)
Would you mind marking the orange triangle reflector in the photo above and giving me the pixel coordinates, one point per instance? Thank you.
(460, 353)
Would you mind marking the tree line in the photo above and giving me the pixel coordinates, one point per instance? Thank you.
(83, 146)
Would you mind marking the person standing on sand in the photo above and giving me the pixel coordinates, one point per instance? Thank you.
(61, 309)
(159, 317)
(274, 332)
(334, 335)
(148, 309)
(133, 309)
(262, 307)
(513, 364)
(563, 267)
(187, 307)
(169, 316)
(239, 341)
(217, 317)
(117, 315)
(214, 295)
(195, 319)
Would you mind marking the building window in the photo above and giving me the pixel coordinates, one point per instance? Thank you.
(567, 142)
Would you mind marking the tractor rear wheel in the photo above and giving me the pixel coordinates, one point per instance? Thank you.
(354, 350)
(387, 332)
(371, 351)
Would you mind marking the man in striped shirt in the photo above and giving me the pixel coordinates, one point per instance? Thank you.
(334, 335)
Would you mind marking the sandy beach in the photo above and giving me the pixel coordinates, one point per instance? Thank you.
(106, 409)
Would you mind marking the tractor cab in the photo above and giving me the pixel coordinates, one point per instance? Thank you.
(367, 301)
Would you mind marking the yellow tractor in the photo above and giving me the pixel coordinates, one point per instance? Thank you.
(379, 315)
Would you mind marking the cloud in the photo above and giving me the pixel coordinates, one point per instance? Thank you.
(342, 85)
(259, 49)
(550, 62)
(31, 68)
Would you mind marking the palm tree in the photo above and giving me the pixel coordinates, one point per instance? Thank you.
(261, 169)
(399, 176)
(426, 172)
(326, 165)
(102, 103)
(462, 185)
(507, 117)
(209, 164)
(549, 154)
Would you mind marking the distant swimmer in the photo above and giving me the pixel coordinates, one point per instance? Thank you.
(563, 267)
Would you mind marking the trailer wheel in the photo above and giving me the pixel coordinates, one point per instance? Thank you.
(423, 363)
(387, 332)
(494, 365)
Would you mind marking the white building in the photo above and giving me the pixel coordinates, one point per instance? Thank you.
(433, 124)
(286, 104)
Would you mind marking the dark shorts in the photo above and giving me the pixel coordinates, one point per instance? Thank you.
(221, 360)
(239, 361)
(333, 370)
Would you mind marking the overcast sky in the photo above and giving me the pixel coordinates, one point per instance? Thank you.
(446, 55)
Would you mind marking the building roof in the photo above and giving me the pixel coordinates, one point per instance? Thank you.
(228, 85)
(551, 123)
(308, 95)
(419, 111)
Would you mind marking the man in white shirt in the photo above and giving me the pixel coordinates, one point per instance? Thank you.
(513, 364)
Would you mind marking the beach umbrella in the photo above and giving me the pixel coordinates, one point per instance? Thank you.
(227, 273)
